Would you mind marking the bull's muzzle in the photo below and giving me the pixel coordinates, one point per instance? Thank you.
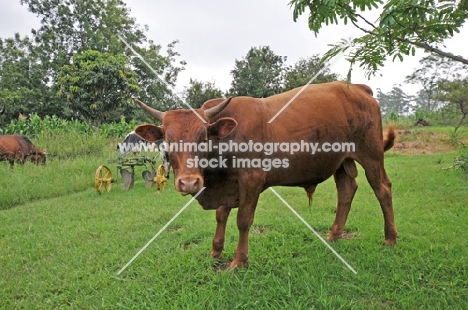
(189, 185)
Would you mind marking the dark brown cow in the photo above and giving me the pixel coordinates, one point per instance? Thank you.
(324, 113)
(19, 148)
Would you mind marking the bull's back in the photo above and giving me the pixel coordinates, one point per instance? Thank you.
(333, 110)
(322, 107)
(321, 113)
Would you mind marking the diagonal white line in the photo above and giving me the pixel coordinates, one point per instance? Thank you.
(157, 75)
(159, 232)
(295, 96)
(315, 232)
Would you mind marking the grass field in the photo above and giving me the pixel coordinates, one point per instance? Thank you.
(61, 244)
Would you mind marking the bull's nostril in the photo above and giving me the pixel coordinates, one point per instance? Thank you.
(189, 185)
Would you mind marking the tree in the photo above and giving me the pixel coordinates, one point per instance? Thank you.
(456, 94)
(402, 27)
(434, 69)
(259, 74)
(70, 27)
(304, 69)
(395, 101)
(198, 92)
(23, 85)
(97, 85)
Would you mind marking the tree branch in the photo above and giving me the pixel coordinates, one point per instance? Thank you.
(402, 40)
(434, 50)
(360, 28)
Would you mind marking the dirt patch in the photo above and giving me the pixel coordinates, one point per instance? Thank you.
(222, 266)
(259, 230)
(418, 148)
(349, 235)
(174, 229)
(191, 243)
(419, 142)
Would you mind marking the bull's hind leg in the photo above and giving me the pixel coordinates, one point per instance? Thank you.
(222, 215)
(346, 185)
(382, 186)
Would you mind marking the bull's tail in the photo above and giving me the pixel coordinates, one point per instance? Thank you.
(389, 139)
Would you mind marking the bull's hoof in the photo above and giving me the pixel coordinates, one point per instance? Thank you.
(390, 242)
(216, 254)
(238, 264)
(332, 237)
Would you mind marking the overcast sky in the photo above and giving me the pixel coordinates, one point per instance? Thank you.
(213, 34)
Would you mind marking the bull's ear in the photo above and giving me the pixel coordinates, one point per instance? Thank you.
(222, 127)
(149, 132)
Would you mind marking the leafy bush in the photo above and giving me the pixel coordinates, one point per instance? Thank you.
(461, 161)
(53, 126)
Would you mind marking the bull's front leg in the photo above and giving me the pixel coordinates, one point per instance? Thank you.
(222, 215)
(245, 218)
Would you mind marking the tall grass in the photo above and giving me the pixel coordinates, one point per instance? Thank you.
(74, 151)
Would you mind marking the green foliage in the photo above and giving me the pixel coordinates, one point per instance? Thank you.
(117, 129)
(395, 101)
(402, 27)
(392, 116)
(262, 73)
(423, 114)
(304, 70)
(460, 162)
(23, 81)
(98, 86)
(463, 159)
(30, 66)
(433, 70)
(198, 92)
(34, 125)
(447, 116)
(156, 79)
(52, 126)
(455, 92)
(259, 74)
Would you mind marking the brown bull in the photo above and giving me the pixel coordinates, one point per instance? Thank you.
(323, 114)
(19, 148)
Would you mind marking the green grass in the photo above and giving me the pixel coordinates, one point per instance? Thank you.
(62, 244)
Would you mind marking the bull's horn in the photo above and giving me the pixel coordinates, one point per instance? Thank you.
(153, 112)
(212, 112)
(3, 109)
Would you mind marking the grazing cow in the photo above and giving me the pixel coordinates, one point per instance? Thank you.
(134, 144)
(325, 115)
(19, 148)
